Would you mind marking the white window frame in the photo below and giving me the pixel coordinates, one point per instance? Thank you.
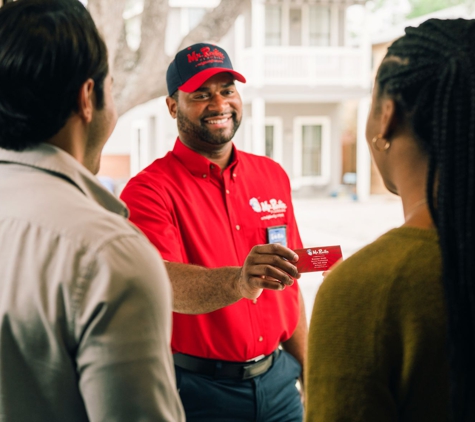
(284, 16)
(305, 34)
(298, 179)
(139, 151)
(333, 25)
(276, 122)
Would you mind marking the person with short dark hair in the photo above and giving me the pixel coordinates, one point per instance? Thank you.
(239, 327)
(85, 301)
(392, 335)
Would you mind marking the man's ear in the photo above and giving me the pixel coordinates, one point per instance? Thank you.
(86, 100)
(172, 106)
(388, 117)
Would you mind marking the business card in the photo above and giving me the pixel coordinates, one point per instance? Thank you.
(319, 258)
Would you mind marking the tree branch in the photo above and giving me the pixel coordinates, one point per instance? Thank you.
(216, 23)
(141, 76)
(107, 15)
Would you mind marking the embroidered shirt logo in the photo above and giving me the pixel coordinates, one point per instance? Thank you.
(274, 208)
(254, 203)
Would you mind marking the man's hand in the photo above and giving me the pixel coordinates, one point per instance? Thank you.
(267, 266)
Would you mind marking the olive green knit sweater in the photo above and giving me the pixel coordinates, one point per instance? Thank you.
(377, 341)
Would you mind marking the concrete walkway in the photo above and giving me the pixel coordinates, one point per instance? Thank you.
(344, 222)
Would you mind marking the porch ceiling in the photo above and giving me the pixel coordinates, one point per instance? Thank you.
(322, 2)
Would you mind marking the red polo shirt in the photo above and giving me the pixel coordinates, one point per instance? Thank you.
(195, 214)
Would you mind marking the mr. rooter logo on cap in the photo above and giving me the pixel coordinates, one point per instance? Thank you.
(206, 56)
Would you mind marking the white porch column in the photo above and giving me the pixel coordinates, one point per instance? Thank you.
(334, 25)
(363, 158)
(258, 126)
(258, 31)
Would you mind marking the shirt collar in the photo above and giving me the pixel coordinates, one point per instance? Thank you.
(57, 162)
(197, 164)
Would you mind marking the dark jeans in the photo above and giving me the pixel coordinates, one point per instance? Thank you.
(270, 397)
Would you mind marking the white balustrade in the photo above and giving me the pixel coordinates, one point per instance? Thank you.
(311, 66)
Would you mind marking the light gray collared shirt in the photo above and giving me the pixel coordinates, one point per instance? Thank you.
(85, 300)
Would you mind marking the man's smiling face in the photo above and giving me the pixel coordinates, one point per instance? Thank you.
(211, 114)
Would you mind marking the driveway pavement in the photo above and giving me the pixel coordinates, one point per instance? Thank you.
(342, 221)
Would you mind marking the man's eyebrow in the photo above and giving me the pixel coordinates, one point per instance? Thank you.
(206, 89)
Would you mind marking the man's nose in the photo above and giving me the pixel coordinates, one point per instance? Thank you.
(218, 103)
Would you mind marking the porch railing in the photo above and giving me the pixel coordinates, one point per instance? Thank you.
(309, 66)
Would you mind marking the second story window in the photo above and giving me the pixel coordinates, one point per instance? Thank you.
(273, 25)
(319, 25)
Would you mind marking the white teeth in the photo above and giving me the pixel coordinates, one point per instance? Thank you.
(217, 122)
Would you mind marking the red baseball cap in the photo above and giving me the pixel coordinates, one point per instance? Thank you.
(194, 65)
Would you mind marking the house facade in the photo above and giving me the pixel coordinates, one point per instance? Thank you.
(381, 40)
(304, 78)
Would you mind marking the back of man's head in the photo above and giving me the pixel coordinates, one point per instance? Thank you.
(48, 49)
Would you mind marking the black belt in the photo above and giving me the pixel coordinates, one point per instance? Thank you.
(225, 369)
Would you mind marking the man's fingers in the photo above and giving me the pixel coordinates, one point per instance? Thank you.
(275, 249)
(265, 264)
(285, 276)
(270, 267)
(268, 283)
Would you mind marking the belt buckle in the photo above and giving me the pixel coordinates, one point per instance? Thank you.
(249, 371)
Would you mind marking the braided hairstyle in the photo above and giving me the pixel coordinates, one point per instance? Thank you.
(430, 74)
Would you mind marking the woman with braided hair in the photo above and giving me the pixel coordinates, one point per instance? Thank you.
(392, 335)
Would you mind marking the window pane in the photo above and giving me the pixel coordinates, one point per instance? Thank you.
(312, 150)
(270, 141)
(295, 30)
(319, 25)
(273, 25)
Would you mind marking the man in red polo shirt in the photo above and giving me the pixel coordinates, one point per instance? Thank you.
(224, 221)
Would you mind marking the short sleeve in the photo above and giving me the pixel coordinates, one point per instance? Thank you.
(152, 212)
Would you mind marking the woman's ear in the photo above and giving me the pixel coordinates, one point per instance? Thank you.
(86, 100)
(388, 117)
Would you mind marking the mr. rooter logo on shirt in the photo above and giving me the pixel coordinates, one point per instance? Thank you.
(272, 208)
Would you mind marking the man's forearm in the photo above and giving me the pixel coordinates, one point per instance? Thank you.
(199, 290)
